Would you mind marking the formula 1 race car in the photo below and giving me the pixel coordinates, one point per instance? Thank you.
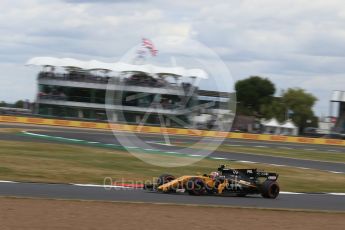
(239, 182)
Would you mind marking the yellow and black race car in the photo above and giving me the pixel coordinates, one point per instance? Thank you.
(239, 182)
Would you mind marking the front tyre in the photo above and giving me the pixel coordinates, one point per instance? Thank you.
(196, 187)
(164, 178)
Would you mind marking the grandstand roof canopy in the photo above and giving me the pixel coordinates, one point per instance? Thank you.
(338, 96)
(116, 66)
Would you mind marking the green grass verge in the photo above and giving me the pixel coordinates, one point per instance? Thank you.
(10, 130)
(290, 153)
(63, 163)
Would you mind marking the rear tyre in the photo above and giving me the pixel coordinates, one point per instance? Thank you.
(270, 189)
(196, 187)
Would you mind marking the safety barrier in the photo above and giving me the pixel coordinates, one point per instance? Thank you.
(172, 131)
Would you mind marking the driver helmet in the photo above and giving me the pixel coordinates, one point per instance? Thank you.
(213, 175)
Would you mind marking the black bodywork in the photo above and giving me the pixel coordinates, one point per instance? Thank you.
(249, 181)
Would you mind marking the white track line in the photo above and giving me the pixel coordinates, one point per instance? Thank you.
(101, 186)
(250, 162)
(337, 193)
(219, 158)
(303, 168)
(171, 152)
(278, 165)
(291, 193)
(7, 181)
(335, 172)
(284, 147)
(157, 143)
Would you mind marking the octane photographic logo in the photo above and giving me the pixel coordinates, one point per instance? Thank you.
(171, 83)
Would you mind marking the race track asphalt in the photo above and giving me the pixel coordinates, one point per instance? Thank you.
(321, 202)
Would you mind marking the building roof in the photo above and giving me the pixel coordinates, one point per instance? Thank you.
(338, 96)
(116, 66)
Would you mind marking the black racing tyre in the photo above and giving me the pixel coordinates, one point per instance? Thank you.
(270, 189)
(164, 178)
(196, 187)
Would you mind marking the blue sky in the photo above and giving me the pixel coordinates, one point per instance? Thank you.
(296, 43)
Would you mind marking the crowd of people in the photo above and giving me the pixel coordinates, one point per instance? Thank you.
(138, 79)
(145, 80)
(52, 96)
(74, 76)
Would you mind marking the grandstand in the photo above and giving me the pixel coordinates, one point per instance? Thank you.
(339, 97)
(71, 88)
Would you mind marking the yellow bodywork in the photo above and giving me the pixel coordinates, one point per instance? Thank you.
(208, 181)
(180, 182)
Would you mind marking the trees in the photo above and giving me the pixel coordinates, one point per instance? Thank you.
(253, 93)
(295, 104)
(277, 109)
(3, 104)
(300, 103)
(255, 96)
(19, 104)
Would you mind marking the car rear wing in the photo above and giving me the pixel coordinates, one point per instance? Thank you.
(268, 175)
(252, 173)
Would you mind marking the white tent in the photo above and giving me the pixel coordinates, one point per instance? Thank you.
(272, 126)
(289, 128)
(272, 123)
